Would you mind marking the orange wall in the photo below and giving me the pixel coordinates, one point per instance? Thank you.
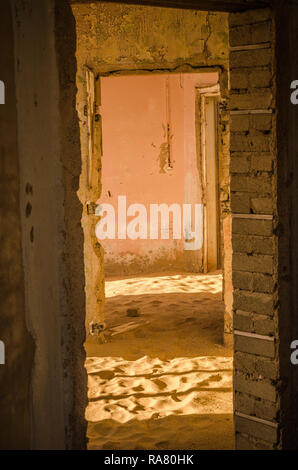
(135, 113)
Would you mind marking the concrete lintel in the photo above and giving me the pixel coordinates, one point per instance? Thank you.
(253, 216)
(254, 335)
(258, 420)
(251, 47)
(251, 111)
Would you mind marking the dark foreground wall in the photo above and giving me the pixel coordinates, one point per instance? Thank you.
(15, 374)
(43, 383)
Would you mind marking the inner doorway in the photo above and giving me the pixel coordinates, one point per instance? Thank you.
(161, 377)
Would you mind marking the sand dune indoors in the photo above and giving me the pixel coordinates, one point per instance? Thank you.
(163, 380)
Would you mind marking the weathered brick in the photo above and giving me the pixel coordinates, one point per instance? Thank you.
(253, 263)
(254, 302)
(251, 79)
(263, 325)
(250, 17)
(261, 122)
(240, 203)
(261, 32)
(261, 205)
(251, 100)
(251, 58)
(254, 244)
(239, 122)
(261, 162)
(258, 430)
(256, 366)
(243, 442)
(254, 323)
(253, 406)
(242, 280)
(239, 79)
(250, 142)
(251, 227)
(239, 163)
(262, 283)
(258, 388)
(250, 34)
(252, 184)
(246, 442)
(242, 321)
(260, 347)
(260, 78)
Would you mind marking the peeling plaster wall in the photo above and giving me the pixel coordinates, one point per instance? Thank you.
(126, 36)
(137, 113)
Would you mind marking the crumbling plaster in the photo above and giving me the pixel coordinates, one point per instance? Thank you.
(123, 39)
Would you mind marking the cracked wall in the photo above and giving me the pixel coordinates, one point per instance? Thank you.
(123, 39)
(150, 155)
(119, 37)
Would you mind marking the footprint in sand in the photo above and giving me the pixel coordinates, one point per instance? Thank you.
(215, 378)
(188, 320)
(161, 385)
(162, 445)
(106, 374)
(175, 397)
(156, 302)
(139, 388)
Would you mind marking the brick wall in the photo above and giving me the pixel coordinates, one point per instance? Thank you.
(254, 239)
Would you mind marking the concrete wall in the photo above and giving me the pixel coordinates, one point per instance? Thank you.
(113, 37)
(19, 347)
(137, 112)
(43, 396)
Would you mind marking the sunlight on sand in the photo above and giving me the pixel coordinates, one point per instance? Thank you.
(165, 284)
(124, 390)
(162, 380)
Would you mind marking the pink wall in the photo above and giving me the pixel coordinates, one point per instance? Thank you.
(136, 112)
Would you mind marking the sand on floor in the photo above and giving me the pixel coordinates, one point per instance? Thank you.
(163, 379)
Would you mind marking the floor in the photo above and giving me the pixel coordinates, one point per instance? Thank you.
(162, 379)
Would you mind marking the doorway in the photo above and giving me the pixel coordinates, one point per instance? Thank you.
(160, 376)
